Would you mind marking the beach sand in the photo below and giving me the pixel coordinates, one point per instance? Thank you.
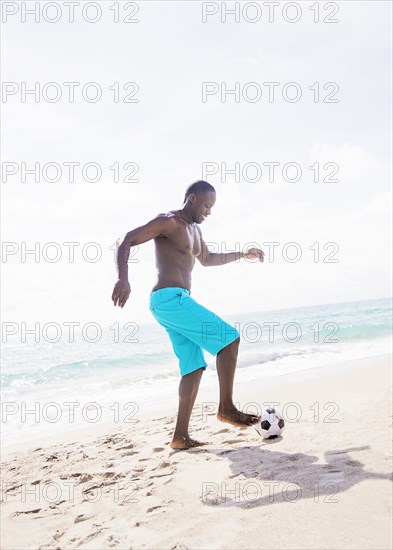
(326, 484)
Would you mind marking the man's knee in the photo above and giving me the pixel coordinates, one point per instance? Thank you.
(195, 375)
(234, 344)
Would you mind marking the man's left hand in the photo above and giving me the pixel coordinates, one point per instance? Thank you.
(254, 253)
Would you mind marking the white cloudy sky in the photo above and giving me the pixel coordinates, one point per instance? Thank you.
(171, 132)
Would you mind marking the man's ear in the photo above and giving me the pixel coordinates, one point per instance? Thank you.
(192, 197)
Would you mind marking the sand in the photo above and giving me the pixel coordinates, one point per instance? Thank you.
(325, 484)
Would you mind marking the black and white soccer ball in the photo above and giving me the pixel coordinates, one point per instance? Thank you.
(271, 424)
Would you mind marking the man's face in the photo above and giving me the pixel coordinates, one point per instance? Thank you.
(202, 204)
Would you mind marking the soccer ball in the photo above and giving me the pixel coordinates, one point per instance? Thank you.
(271, 424)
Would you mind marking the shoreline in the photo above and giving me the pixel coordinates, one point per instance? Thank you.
(242, 393)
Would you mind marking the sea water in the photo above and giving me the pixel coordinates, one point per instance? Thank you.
(51, 387)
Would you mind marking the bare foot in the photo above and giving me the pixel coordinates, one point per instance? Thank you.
(237, 418)
(184, 442)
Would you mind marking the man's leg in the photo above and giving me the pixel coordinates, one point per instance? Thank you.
(226, 366)
(188, 390)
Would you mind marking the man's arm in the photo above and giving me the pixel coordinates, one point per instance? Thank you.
(158, 226)
(208, 259)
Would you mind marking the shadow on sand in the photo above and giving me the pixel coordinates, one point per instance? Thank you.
(262, 476)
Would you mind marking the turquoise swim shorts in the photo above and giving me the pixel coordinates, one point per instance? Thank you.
(191, 327)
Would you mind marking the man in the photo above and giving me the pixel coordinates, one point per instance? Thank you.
(191, 327)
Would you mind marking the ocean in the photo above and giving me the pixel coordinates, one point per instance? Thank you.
(51, 386)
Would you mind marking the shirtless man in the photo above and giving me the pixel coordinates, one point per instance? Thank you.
(191, 327)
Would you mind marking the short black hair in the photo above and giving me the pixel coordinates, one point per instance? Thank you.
(197, 187)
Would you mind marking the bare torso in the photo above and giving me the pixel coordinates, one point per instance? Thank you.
(176, 253)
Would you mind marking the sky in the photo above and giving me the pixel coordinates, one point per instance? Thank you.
(172, 134)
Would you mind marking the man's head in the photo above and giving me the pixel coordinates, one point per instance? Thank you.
(199, 199)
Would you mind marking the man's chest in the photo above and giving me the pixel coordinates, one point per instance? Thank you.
(187, 239)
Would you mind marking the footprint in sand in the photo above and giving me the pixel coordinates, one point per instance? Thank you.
(13, 488)
(167, 469)
(131, 453)
(59, 533)
(111, 439)
(56, 504)
(112, 541)
(98, 485)
(224, 431)
(83, 517)
(34, 511)
(52, 457)
(129, 446)
(152, 508)
(89, 537)
(85, 477)
(157, 450)
(164, 465)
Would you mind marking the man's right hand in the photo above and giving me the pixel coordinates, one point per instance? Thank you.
(121, 293)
